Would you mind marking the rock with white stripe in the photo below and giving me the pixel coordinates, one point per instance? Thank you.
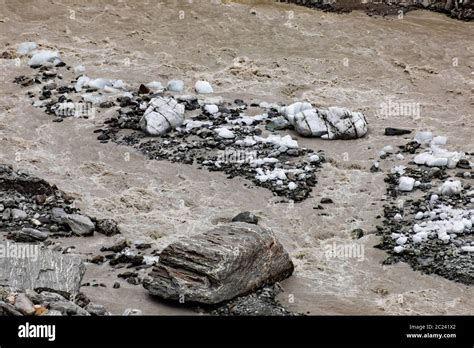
(330, 123)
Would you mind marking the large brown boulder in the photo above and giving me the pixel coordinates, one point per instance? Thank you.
(220, 264)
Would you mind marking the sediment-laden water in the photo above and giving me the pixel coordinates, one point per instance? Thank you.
(266, 52)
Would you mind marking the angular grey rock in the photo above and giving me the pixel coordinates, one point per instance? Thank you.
(175, 86)
(58, 214)
(162, 115)
(80, 224)
(220, 264)
(96, 309)
(67, 308)
(29, 235)
(203, 87)
(7, 309)
(43, 297)
(32, 267)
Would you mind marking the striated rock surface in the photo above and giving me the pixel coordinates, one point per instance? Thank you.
(39, 268)
(330, 123)
(162, 115)
(220, 264)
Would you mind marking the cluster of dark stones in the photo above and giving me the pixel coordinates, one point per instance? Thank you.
(47, 302)
(432, 256)
(459, 9)
(26, 208)
(198, 146)
(202, 145)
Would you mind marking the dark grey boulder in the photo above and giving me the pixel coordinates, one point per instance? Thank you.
(220, 264)
(8, 310)
(79, 224)
(247, 217)
(107, 226)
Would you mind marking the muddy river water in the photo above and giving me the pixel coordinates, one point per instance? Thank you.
(268, 52)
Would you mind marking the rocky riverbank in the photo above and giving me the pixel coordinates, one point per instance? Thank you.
(429, 220)
(40, 274)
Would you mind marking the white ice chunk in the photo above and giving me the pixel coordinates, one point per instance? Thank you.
(211, 108)
(401, 240)
(406, 184)
(451, 187)
(100, 83)
(175, 86)
(439, 140)
(26, 47)
(203, 87)
(156, 85)
(79, 69)
(225, 133)
(423, 137)
(45, 57)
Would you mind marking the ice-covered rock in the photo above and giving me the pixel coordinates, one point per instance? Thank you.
(419, 215)
(439, 140)
(26, 47)
(401, 240)
(155, 85)
(81, 82)
(279, 141)
(118, 84)
(423, 137)
(331, 123)
(162, 115)
(406, 184)
(398, 249)
(190, 124)
(291, 110)
(175, 86)
(203, 87)
(388, 149)
(99, 83)
(451, 187)
(45, 57)
(211, 108)
(225, 133)
(79, 69)
(438, 157)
